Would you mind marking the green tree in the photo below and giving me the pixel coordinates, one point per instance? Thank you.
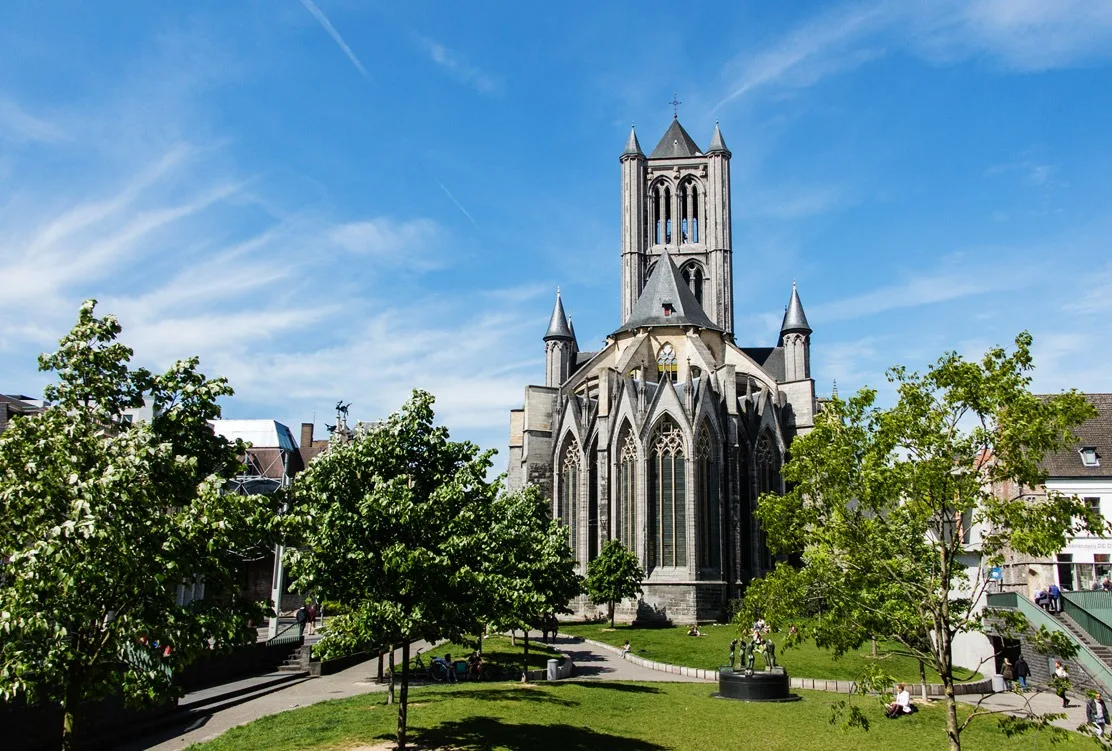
(530, 564)
(101, 521)
(880, 500)
(393, 524)
(613, 576)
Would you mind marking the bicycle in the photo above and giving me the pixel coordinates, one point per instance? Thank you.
(436, 672)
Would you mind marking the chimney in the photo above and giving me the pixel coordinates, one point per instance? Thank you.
(306, 435)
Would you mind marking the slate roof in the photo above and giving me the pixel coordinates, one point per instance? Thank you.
(558, 324)
(769, 358)
(676, 143)
(15, 404)
(1095, 433)
(794, 318)
(666, 287)
(633, 147)
(717, 142)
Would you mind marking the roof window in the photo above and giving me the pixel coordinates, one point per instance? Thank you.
(1089, 457)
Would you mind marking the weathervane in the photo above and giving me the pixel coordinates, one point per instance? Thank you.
(675, 105)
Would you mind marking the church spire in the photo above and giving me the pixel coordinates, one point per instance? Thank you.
(633, 146)
(794, 318)
(558, 324)
(717, 143)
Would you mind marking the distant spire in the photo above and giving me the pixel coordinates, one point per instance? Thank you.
(835, 391)
(717, 142)
(633, 146)
(794, 318)
(558, 324)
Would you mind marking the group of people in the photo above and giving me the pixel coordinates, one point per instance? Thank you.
(1050, 599)
(1102, 585)
(306, 616)
(474, 666)
(1015, 673)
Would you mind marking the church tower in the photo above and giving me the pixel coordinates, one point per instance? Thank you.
(795, 338)
(678, 199)
(559, 346)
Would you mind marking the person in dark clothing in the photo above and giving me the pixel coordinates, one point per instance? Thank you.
(1022, 671)
(1096, 713)
(302, 616)
(1055, 598)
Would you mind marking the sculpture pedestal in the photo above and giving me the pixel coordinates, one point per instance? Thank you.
(761, 685)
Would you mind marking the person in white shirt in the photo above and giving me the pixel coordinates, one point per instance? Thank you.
(902, 704)
(1061, 673)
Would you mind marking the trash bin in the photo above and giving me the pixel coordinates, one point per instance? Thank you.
(998, 683)
(553, 669)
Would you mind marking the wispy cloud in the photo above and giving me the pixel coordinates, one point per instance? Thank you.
(18, 125)
(457, 67)
(925, 289)
(1020, 35)
(339, 40)
(793, 201)
(390, 241)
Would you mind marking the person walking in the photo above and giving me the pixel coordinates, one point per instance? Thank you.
(1062, 675)
(1055, 598)
(1022, 671)
(1008, 672)
(302, 616)
(1096, 713)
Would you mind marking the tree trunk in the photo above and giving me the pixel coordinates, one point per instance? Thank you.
(390, 693)
(923, 678)
(69, 714)
(480, 643)
(611, 614)
(525, 668)
(513, 637)
(874, 647)
(381, 658)
(947, 675)
(403, 718)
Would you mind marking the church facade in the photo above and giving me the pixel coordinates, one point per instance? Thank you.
(665, 438)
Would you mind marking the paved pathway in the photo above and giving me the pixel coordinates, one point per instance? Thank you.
(1041, 703)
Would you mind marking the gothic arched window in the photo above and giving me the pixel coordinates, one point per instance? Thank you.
(667, 215)
(627, 492)
(706, 501)
(689, 210)
(666, 366)
(667, 496)
(768, 481)
(693, 275)
(569, 492)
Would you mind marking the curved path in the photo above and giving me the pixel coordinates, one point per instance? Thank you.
(591, 664)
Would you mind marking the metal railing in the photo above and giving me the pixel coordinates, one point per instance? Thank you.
(1037, 617)
(291, 634)
(1090, 622)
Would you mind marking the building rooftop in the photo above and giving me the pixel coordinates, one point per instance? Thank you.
(1091, 456)
(259, 433)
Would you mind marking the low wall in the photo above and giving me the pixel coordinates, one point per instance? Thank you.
(816, 684)
(224, 667)
(318, 668)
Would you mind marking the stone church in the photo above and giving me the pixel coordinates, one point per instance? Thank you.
(665, 438)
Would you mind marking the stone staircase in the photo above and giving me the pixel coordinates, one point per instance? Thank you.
(1101, 651)
(298, 661)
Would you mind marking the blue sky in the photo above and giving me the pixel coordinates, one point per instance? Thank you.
(343, 200)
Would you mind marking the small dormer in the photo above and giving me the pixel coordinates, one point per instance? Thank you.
(1089, 456)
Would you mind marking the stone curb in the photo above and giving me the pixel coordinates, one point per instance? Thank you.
(817, 684)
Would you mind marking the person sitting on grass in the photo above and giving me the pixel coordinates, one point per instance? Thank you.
(475, 666)
(901, 706)
(693, 631)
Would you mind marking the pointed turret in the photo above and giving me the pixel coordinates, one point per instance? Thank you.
(794, 318)
(717, 143)
(559, 346)
(795, 338)
(558, 324)
(633, 147)
(667, 301)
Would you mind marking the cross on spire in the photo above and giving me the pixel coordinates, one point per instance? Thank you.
(675, 105)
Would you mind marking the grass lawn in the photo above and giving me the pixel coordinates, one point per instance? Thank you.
(498, 654)
(674, 646)
(613, 716)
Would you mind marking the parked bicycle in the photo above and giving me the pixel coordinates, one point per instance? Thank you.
(436, 672)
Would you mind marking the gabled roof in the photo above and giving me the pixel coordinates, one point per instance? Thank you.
(1095, 434)
(666, 288)
(558, 325)
(676, 143)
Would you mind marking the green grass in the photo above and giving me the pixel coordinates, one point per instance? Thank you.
(499, 655)
(674, 646)
(612, 716)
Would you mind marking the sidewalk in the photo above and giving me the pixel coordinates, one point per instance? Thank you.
(1043, 702)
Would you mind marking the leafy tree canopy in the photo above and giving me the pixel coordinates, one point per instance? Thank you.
(880, 502)
(613, 576)
(101, 520)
